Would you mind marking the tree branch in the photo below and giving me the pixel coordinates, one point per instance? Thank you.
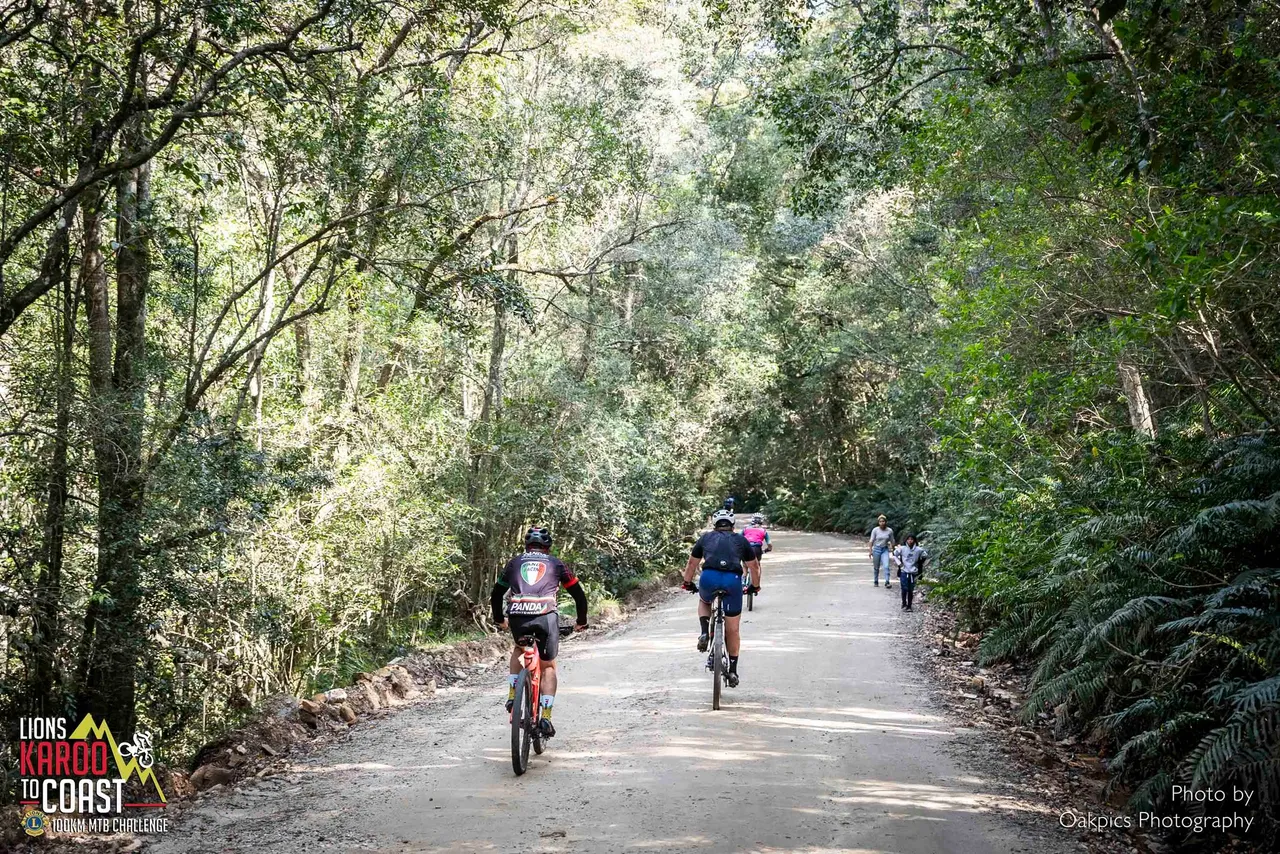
(92, 173)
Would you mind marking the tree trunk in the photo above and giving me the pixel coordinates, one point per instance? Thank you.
(1047, 30)
(588, 331)
(113, 639)
(631, 273)
(1135, 394)
(266, 314)
(46, 678)
(353, 341)
(1184, 355)
(467, 386)
(482, 455)
(302, 344)
(352, 349)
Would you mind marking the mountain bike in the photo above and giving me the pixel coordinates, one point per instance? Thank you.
(748, 596)
(759, 550)
(524, 710)
(718, 660)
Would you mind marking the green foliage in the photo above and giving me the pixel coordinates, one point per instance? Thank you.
(399, 296)
(1154, 619)
(851, 511)
(1017, 291)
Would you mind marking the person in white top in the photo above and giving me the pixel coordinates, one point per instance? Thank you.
(910, 559)
(879, 544)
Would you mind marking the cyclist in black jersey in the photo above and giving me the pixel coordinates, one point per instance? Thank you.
(533, 579)
(723, 556)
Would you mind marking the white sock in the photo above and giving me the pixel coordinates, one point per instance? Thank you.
(547, 701)
(511, 680)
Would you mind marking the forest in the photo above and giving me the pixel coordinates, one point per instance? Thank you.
(309, 307)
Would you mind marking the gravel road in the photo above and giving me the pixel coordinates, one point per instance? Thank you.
(831, 743)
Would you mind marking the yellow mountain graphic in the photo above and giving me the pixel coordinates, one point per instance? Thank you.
(88, 727)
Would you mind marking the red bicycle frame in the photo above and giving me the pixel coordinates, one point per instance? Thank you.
(533, 664)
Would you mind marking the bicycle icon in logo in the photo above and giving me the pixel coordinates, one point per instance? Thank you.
(140, 749)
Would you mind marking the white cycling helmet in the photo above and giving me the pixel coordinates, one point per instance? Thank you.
(757, 519)
(721, 518)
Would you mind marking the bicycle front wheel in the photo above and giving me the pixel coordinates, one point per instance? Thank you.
(521, 722)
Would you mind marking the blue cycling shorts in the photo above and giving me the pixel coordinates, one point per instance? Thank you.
(712, 580)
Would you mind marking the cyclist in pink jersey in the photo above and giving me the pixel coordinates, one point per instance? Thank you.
(757, 536)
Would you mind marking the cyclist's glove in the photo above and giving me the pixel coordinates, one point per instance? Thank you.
(752, 589)
(690, 586)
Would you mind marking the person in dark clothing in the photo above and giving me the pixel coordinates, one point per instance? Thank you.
(910, 559)
(722, 554)
(533, 580)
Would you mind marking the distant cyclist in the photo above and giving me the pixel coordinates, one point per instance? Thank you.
(533, 579)
(723, 554)
(758, 536)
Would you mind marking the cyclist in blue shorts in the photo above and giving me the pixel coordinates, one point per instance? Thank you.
(723, 554)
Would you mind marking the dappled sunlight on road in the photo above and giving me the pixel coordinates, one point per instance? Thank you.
(716, 753)
(615, 691)
(838, 635)
(872, 714)
(907, 798)
(826, 725)
(812, 850)
(673, 843)
(769, 645)
(832, 574)
(379, 767)
(788, 557)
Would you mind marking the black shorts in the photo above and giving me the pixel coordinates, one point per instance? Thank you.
(757, 549)
(545, 628)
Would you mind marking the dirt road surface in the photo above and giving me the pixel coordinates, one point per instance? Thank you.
(831, 743)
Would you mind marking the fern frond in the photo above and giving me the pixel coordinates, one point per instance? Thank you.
(1259, 696)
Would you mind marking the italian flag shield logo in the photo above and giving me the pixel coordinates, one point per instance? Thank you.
(532, 571)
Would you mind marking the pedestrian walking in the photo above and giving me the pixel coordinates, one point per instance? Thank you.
(879, 546)
(910, 559)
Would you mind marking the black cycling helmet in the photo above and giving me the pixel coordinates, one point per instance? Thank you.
(539, 537)
(728, 503)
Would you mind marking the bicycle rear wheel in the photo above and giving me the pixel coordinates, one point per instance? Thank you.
(521, 721)
(751, 601)
(717, 665)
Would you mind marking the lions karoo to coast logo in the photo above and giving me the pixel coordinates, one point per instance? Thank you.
(67, 784)
(532, 571)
